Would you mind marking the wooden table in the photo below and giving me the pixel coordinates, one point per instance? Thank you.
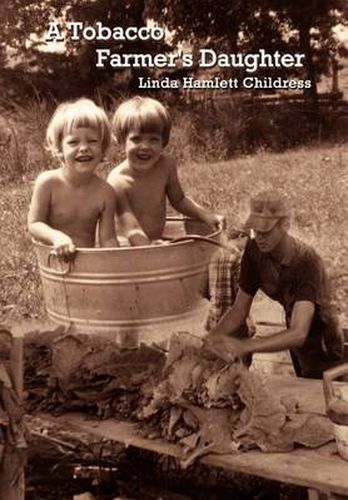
(317, 469)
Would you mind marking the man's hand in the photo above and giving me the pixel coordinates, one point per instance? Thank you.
(225, 347)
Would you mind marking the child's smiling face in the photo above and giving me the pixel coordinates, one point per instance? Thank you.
(82, 149)
(143, 149)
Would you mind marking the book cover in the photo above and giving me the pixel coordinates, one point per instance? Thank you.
(257, 95)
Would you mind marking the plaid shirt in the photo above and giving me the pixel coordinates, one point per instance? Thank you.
(223, 283)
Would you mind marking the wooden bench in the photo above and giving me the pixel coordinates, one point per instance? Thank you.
(319, 470)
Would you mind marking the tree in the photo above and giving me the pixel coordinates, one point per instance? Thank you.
(227, 25)
(24, 22)
(313, 21)
(237, 25)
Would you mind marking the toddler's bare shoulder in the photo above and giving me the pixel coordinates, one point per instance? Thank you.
(48, 177)
(120, 180)
(117, 172)
(168, 160)
(167, 163)
(104, 187)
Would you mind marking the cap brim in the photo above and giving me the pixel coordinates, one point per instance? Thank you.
(261, 224)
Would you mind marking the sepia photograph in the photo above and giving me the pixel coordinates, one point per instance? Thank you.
(173, 250)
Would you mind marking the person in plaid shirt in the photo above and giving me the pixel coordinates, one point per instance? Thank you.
(224, 271)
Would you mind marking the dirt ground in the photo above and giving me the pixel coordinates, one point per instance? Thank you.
(141, 475)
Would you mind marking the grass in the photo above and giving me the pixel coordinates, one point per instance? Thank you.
(315, 179)
(20, 294)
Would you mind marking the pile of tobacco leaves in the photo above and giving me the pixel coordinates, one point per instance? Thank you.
(188, 396)
(66, 371)
(209, 406)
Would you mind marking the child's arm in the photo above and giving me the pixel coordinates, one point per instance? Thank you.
(128, 221)
(126, 218)
(190, 208)
(186, 205)
(106, 227)
(38, 217)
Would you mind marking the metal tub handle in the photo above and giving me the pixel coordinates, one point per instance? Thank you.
(63, 272)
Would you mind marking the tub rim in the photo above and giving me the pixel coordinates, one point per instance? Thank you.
(189, 241)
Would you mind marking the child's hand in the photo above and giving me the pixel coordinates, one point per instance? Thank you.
(64, 246)
(216, 221)
(159, 242)
(221, 221)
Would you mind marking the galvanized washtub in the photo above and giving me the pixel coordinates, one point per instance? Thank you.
(132, 294)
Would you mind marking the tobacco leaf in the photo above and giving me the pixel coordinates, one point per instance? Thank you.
(309, 430)
(68, 354)
(244, 413)
(214, 435)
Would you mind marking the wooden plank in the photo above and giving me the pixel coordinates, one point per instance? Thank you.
(17, 365)
(304, 467)
(317, 469)
(13, 488)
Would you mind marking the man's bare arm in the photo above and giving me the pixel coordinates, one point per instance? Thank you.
(294, 336)
(235, 316)
(220, 340)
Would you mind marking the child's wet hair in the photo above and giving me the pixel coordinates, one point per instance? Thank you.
(141, 114)
(74, 114)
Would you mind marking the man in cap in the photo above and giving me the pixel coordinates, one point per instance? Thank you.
(293, 274)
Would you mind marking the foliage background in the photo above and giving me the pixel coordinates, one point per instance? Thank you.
(232, 26)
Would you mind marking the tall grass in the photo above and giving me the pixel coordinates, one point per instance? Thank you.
(24, 153)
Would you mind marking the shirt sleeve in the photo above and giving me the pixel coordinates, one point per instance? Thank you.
(311, 280)
(249, 276)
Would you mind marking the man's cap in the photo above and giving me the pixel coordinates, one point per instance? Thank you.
(266, 208)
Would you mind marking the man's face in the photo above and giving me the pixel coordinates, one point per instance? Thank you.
(267, 241)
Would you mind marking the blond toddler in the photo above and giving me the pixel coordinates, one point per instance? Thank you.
(70, 202)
